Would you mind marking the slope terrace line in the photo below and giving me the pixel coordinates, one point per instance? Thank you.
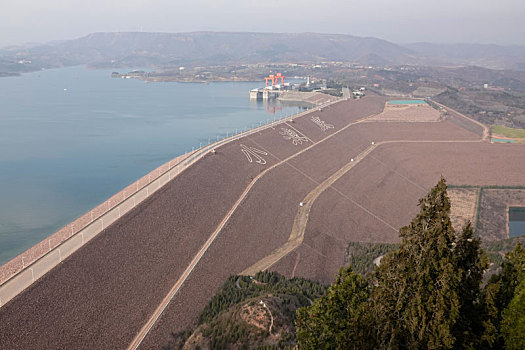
(301, 218)
(162, 306)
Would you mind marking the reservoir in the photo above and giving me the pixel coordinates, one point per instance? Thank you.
(71, 137)
(516, 221)
(407, 102)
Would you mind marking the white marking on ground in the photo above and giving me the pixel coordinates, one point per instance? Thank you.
(252, 151)
(289, 134)
(321, 124)
(298, 132)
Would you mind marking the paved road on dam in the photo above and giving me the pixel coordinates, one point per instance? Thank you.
(151, 272)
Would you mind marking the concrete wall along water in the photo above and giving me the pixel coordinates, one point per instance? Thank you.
(18, 273)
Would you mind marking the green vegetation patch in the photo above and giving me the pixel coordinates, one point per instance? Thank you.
(496, 250)
(234, 318)
(361, 256)
(509, 132)
(432, 292)
(240, 288)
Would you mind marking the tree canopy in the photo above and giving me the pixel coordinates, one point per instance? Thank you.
(427, 294)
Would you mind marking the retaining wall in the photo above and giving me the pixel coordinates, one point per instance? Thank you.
(23, 270)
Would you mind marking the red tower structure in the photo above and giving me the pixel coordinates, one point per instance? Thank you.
(274, 79)
(279, 76)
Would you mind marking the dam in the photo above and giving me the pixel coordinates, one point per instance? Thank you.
(235, 206)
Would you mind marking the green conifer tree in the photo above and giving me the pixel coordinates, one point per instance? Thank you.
(513, 320)
(425, 295)
(497, 295)
(336, 320)
(472, 262)
(416, 301)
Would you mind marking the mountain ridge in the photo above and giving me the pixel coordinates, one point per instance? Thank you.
(159, 49)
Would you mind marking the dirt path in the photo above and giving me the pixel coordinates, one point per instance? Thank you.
(162, 306)
(301, 218)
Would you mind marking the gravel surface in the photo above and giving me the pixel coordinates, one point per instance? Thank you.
(339, 115)
(388, 184)
(446, 130)
(287, 265)
(414, 113)
(315, 266)
(101, 296)
(254, 231)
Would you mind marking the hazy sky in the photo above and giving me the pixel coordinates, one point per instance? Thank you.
(401, 21)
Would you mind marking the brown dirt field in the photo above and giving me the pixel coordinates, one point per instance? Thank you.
(463, 203)
(314, 132)
(364, 207)
(413, 131)
(360, 226)
(287, 265)
(464, 123)
(416, 113)
(316, 266)
(329, 156)
(350, 142)
(493, 214)
(254, 231)
(339, 115)
(460, 163)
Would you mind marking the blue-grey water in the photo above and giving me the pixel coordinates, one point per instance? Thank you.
(72, 137)
(516, 221)
(516, 228)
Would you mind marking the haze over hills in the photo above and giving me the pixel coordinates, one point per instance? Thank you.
(130, 49)
(483, 55)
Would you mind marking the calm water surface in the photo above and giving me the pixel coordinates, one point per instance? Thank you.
(516, 221)
(71, 137)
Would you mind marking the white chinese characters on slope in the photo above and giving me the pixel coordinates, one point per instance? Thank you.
(289, 134)
(250, 152)
(323, 125)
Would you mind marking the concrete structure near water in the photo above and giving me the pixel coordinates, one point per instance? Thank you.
(264, 94)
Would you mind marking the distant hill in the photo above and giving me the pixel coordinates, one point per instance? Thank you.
(217, 48)
(170, 49)
(482, 55)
